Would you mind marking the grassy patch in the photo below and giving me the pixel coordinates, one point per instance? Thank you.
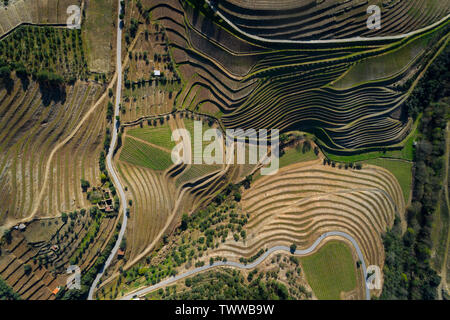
(99, 31)
(42, 230)
(160, 135)
(291, 156)
(402, 170)
(331, 270)
(143, 155)
(294, 155)
(406, 153)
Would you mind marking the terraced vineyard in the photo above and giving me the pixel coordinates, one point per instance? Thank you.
(31, 129)
(305, 200)
(309, 68)
(361, 114)
(36, 284)
(256, 84)
(315, 19)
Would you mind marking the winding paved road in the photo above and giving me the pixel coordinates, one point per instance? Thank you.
(252, 265)
(109, 158)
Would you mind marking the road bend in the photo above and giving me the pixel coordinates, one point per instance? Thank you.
(303, 252)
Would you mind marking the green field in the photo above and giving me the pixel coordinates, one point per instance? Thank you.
(402, 170)
(160, 135)
(143, 155)
(294, 155)
(331, 270)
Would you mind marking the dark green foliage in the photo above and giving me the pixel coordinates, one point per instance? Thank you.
(85, 185)
(293, 248)
(6, 292)
(5, 72)
(184, 221)
(49, 78)
(229, 285)
(110, 111)
(7, 235)
(123, 244)
(430, 87)
(27, 269)
(74, 294)
(52, 55)
(407, 271)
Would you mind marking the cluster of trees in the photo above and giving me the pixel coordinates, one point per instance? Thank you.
(252, 258)
(6, 292)
(228, 285)
(134, 24)
(201, 6)
(407, 273)
(85, 185)
(90, 236)
(50, 55)
(49, 79)
(351, 165)
(122, 10)
(430, 88)
(107, 141)
(233, 190)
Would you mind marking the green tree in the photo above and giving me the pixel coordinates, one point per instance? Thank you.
(27, 269)
(293, 248)
(85, 185)
(184, 221)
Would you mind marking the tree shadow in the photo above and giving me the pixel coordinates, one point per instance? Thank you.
(52, 94)
(24, 80)
(8, 83)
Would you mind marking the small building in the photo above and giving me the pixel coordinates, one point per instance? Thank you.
(157, 73)
(22, 227)
(120, 253)
(56, 290)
